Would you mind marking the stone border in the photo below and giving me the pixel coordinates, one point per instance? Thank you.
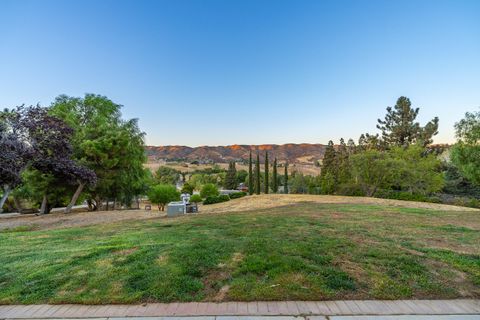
(256, 308)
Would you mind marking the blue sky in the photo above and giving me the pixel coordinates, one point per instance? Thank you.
(205, 72)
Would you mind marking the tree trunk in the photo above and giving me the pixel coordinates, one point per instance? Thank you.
(138, 202)
(43, 207)
(77, 193)
(6, 192)
(18, 204)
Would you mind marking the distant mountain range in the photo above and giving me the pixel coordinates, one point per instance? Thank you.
(293, 153)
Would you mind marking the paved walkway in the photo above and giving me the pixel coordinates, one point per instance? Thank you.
(313, 310)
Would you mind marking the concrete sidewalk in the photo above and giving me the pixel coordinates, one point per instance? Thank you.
(283, 310)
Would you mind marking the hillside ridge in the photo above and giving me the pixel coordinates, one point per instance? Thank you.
(291, 152)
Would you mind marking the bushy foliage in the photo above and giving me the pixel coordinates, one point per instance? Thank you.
(167, 175)
(209, 190)
(216, 199)
(162, 194)
(466, 152)
(237, 195)
(196, 198)
(187, 188)
(231, 177)
(105, 143)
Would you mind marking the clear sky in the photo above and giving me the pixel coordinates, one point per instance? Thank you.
(204, 72)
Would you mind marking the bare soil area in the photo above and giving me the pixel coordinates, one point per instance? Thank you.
(276, 200)
(78, 219)
(254, 202)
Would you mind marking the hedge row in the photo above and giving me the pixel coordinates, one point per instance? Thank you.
(223, 197)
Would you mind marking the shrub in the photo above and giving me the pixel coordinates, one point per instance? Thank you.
(237, 195)
(196, 198)
(216, 199)
(401, 195)
(187, 188)
(350, 189)
(162, 194)
(209, 190)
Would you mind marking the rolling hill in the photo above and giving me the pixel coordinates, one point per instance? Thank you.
(293, 153)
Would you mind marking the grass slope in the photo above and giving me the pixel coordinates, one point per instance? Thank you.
(304, 251)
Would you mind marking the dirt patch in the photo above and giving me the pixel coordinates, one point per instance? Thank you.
(222, 293)
(79, 219)
(276, 200)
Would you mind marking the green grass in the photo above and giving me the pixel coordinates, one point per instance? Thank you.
(304, 251)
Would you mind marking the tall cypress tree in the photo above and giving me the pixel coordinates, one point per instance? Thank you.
(250, 175)
(266, 173)
(285, 181)
(274, 177)
(257, 175)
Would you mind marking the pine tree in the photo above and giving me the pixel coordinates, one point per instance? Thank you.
(257, 175)
(351, 147)
(274, 177)
(342, 162)
(329, 163)
(400, 129)
(250, 175)
(285, 181)
(231, 177)
(266, 173)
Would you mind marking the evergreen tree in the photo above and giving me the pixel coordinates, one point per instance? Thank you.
(231, 177)
(250, 175)
(351, 147)
(257, 175)
(266, 173)
(400, 129)
(330, 163)
(342, 162)
(274, 177)
(285, 181)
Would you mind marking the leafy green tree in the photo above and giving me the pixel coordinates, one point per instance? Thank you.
(250, 175)
(266, 173)
(274, 177)
(167, 175)
(372, 170)
(112, 147)
(242, 175)
(285, 179)
(231, 177)
(195, 198)
(187, 188)
(399, 127)
(466, 152)
(327, 183)
(416, 171)
(257, 175)
(298, 183)
(162, 194)
(209, 190)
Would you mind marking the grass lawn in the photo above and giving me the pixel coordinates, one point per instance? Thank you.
(304, 251)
